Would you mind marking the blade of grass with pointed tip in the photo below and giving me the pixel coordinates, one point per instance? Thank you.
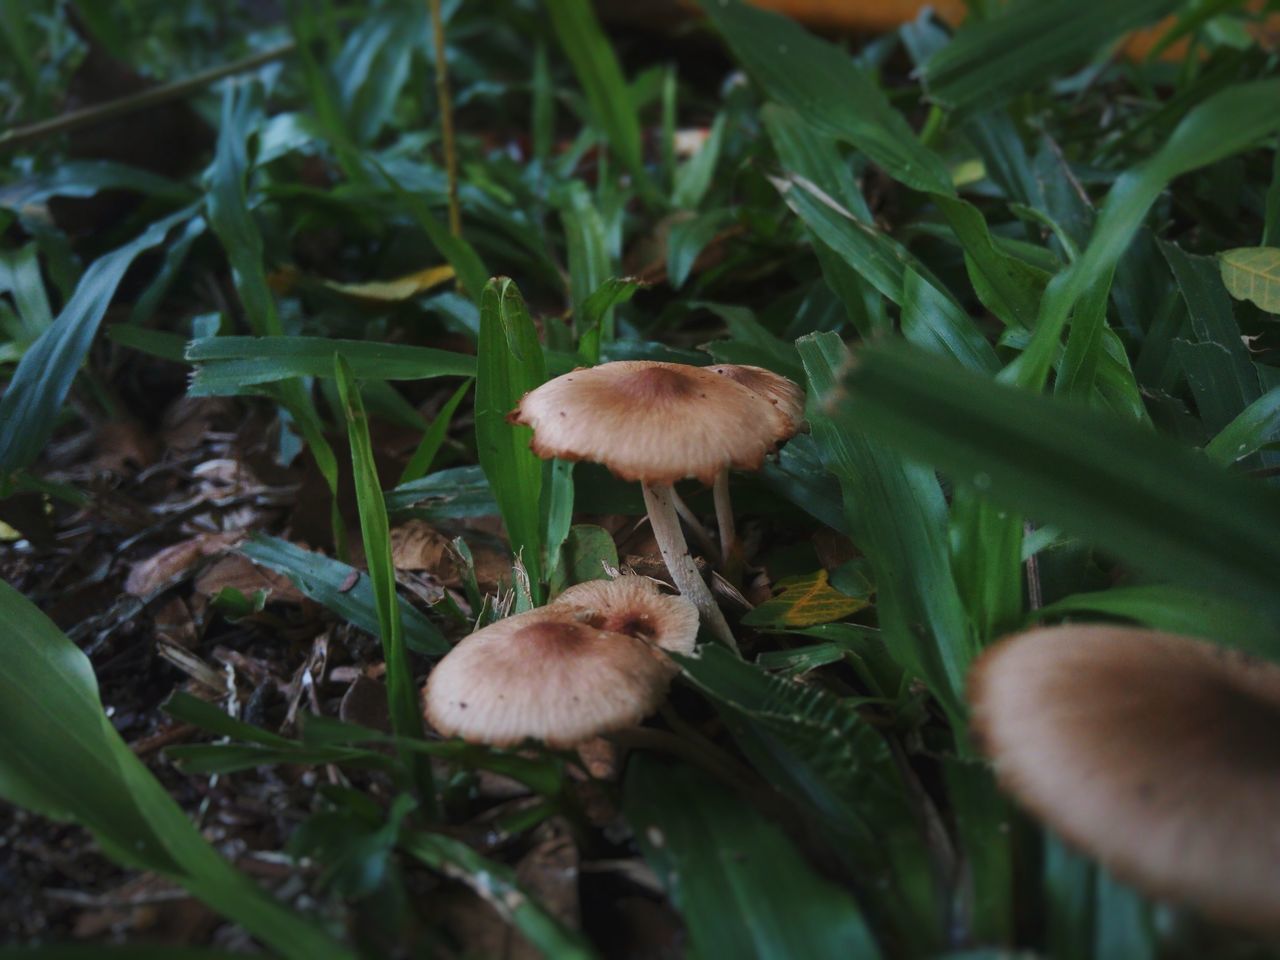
(509, 364)
(30, 405)
(57, 739)
(1141, 497)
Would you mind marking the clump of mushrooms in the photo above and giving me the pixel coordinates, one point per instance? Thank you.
(658, 423)
(591, 662)
(1156, 754)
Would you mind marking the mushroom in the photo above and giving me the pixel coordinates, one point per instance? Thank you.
(1156, 754)
(658, 423)
(589, 663)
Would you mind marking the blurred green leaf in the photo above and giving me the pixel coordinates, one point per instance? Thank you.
(58, 740)
(587, 549)
(991, 60)
(1255, 425)
(800, 71)
(1143, 498)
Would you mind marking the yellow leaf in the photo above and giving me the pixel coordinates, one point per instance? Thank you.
(1253, 273)
(804, 602)
(401, 288)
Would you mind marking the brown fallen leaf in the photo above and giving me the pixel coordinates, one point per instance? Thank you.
(365, 704)
(123, 447)
(173, 562)
(416, 545)
(235, 570)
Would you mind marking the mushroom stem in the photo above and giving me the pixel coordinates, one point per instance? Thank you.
(730, 550)
(695, 527)
(675, 552)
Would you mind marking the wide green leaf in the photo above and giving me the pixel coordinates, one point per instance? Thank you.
(743, 889)
(1253, 273)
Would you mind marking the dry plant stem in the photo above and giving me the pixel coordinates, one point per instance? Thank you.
(675, 552)
(445, 102)
(691, 521)
(730, 550)
(88, 116)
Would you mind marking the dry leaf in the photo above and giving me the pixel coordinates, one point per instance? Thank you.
(240, 572)
(417, 545)
(170, 564)
(401, 288)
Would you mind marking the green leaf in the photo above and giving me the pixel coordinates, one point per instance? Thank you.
(587, 549)
(497, 885)
(991, 60)
(343, 589)
(1222, 125)
(226, 365)
(510, 364)
(1255, 425)
(601, 78)
(589, 261)
(30, 405)
(227, 210)
(800, 71)
(742, 888)
(817, 750)
(1253, 273)
(1141, 497)
(432, 438)
(376, 532)
(455, 492)
(58, 740)
(898, 517)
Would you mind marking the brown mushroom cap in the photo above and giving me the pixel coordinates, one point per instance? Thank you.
(635, 606)
(551, 674)
(1157, 754)
(654, 422)
(783, 393)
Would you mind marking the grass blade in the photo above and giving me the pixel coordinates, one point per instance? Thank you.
(510, 364)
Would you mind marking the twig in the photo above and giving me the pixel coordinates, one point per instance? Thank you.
(446, 117)
(88, 116)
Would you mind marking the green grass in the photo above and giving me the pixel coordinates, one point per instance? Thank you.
(1028, 284)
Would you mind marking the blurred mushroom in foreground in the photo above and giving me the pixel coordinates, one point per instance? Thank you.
(658, 423)
(1155, 754)
(590, 663)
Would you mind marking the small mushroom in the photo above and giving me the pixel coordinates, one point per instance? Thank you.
(1156, 754)
(657, 423)
(590, 663)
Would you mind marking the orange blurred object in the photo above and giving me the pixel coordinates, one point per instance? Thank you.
(879, 15)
